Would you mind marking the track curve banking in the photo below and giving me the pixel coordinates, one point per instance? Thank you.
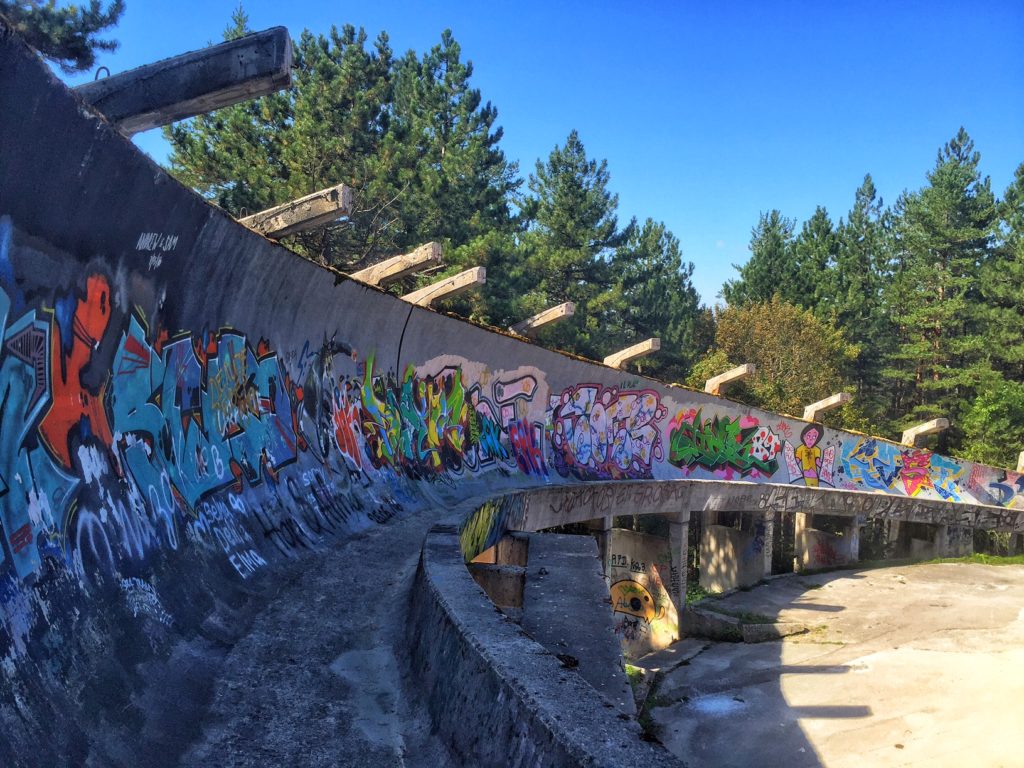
(186, 405)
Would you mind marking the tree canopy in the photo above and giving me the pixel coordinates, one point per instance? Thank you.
(68, 34)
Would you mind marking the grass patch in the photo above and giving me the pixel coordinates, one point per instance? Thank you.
(635, 675)
(980, 559)
(695, 592)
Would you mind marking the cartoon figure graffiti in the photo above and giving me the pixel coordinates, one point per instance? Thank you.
(809, 454)
(631, 597)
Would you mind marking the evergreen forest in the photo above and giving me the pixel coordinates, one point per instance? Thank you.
(916, 307)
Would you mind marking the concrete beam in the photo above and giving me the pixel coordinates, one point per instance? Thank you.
(911, 435)
(645, 347)
(715, 385)
(531, 325)
(812, 411)
(449, 287)
(193, 83)
(306, 213)
(397, 267)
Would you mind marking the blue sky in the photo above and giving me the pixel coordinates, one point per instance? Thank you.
(708, 113)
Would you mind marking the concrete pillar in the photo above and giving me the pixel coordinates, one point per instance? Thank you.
(853, 531)
(679, 541)
(801, 522)
(892, 547)
(767, 524)
(607, 523)
(941, 540)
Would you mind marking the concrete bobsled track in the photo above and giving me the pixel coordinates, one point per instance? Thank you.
(186, 406)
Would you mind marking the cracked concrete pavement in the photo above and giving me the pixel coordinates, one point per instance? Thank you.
(909, 666)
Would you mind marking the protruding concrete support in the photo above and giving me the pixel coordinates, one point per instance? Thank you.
(715, 385)
(306, 213)
(645, 347)
(194, 83)
(812, 411)
(449, 287)
(531, 325)
(1020, 462)
(911, 435)
(679, 541)
(397, 267)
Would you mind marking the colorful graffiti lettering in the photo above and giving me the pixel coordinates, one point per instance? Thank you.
(873, 464)
(880, 465)
(420, 427)
(198, 417)
(35, 488)
(488, 523)
(600, 433)
(722, 442)
(76, 410)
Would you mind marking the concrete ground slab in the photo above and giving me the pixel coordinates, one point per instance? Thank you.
(911, 666)
(567, 610)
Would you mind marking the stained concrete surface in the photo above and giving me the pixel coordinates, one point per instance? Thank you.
(320, 679)
(566, 609)
(911, 666)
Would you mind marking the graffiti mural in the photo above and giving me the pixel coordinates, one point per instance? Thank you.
(723, 443)
(808, 461)
(35, 487)
(886, 467)
(197, 415)
(419, 426)
(603, 433)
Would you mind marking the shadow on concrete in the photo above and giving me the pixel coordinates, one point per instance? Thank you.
(723, 704)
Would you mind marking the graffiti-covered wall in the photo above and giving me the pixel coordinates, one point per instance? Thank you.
(184, 404)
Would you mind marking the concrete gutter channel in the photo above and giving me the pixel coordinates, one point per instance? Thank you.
(497, 696)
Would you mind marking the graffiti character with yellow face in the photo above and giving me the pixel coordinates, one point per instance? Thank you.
(809, 454)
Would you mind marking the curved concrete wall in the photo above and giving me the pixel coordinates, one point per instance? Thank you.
(184, 403)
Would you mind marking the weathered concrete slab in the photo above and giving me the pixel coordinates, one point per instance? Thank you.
(566, 609)
(730, 558)
(908, 666)
(307, 212)
(194, 83)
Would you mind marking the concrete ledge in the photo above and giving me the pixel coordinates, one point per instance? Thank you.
(495, 695)
(706, 623)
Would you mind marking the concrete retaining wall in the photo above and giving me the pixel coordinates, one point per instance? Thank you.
(498, 696)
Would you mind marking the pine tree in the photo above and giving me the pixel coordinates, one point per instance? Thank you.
(655, 297)
(1002, 285)
(66, 35)
(945, 237)
(572, 233)
(814, 255)
(325, 130)
(855, 303)
(460, 181)
(771, 268)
